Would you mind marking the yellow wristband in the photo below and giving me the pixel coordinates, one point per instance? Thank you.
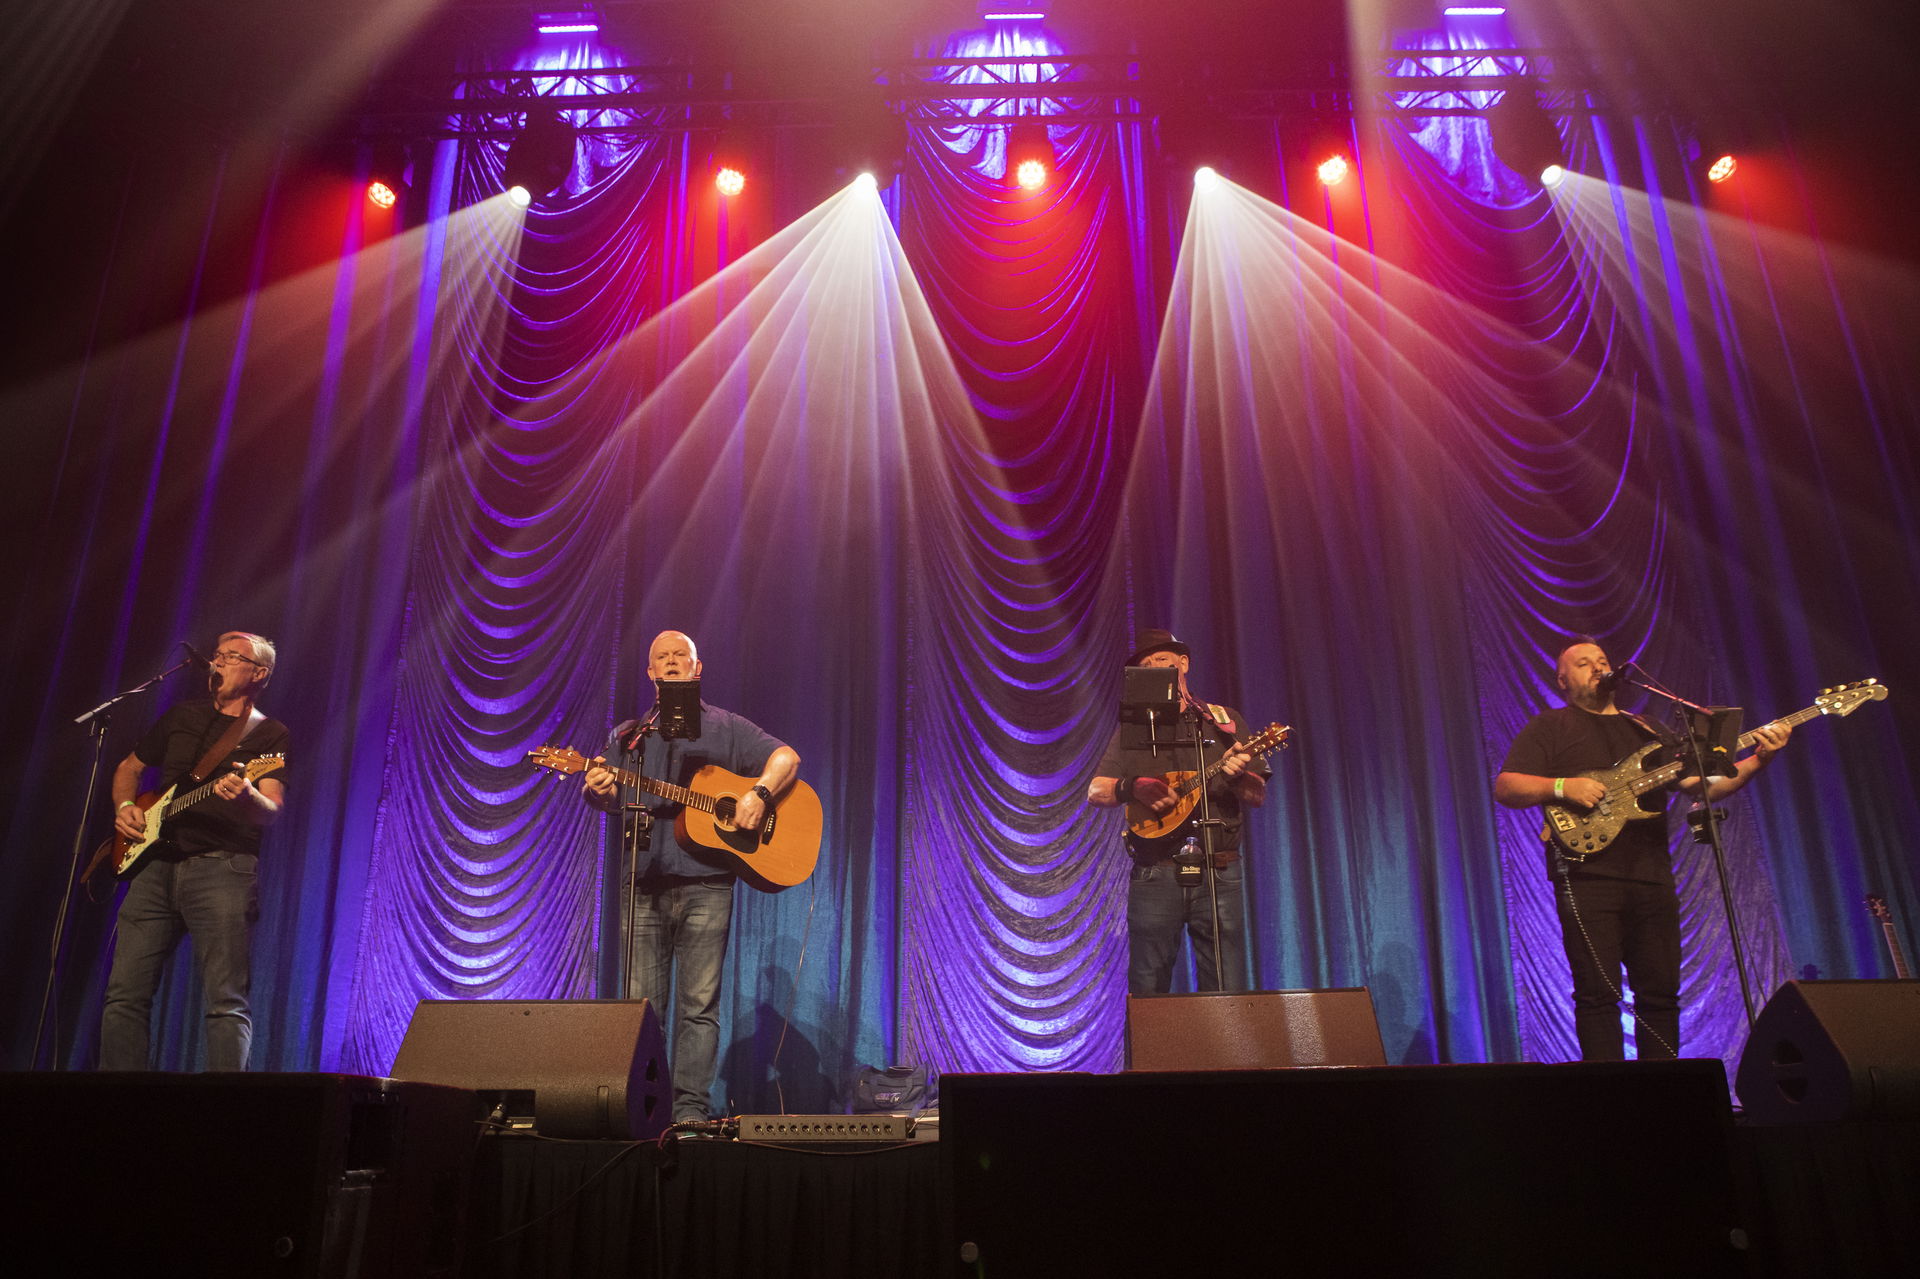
(1559, 788)
(125, 803)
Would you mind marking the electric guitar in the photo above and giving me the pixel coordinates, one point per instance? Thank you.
(1878, 905)
(1581, 833)
(1186, 786)
(778, 854)
(122, 855)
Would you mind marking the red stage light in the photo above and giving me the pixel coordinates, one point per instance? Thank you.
(382, 194)
(1031, 175)
(1333, 170)
(730, 181)
(1722, 169)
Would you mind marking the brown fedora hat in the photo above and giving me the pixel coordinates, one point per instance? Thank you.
(1151, 640)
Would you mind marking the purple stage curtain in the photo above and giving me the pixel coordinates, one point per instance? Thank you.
(465, 473)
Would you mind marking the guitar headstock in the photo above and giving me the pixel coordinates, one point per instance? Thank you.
(1269, 739)
(561, 759)
(1878, 906)
(260, 765)
(1845, 699)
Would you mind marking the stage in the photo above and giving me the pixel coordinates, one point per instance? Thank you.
(1499, 1169)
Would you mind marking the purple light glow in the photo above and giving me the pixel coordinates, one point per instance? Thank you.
(1474, 10)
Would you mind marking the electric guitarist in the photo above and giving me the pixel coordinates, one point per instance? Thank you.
(680, 894)
(1618, 907)
(1169, 893)
(199, 877)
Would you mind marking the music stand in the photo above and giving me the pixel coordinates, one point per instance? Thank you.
(1715, 731)
(679, 708)
(1149, 711)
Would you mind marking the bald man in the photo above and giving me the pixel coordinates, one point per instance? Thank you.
(682, 894)
(1618, 907)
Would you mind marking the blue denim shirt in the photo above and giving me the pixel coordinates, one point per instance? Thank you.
(732, 741)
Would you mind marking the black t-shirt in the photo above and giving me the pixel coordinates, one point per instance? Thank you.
(1567, 741)
(175, 744)
(1225, 726)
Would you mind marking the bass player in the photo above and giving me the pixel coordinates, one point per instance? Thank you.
(1620, 906)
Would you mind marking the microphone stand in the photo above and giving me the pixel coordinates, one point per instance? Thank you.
(1709, 821)
(97, 721)
(1208, 824)
(636, 835)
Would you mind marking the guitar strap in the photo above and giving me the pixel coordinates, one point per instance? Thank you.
(1658, 735)
(241, 726)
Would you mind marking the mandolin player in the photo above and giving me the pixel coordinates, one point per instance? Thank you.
(1170, 892)
(1619, 907)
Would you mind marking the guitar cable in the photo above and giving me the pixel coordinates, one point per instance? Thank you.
(1565, 876)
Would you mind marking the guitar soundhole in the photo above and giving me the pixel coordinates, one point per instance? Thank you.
(723, 809)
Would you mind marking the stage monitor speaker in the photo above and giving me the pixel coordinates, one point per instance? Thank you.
(1252, 1030)
(1822, 1051)
(579, 1068)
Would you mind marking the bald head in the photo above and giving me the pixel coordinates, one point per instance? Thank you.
(672, 656)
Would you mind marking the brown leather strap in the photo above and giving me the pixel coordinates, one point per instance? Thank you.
(228, 740)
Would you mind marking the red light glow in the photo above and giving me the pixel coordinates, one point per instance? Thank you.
(1333, 170)
(1031, 175)
(1722, 169)
(730, 181)
(382, 194)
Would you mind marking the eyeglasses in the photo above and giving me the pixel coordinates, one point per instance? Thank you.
(227, 656)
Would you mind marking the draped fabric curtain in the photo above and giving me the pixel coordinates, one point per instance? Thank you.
(910, 473)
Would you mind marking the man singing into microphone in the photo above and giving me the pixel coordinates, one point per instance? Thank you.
(1619, 906)
(200, 879)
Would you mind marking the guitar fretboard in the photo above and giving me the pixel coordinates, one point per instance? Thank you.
(665, 790)
(1669, 772)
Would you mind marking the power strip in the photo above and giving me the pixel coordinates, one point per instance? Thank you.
(812, 1128)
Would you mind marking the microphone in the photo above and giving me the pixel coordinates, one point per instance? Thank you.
(194, 654)
(1612, 679)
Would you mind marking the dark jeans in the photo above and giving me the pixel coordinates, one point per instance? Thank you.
(214, 898)
(1632, 923)
(1159, 909)
(680, 944)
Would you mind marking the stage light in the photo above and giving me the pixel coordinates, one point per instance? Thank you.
(1524, 135)
(1722, 168)
(730, 181)
(1552, 176)
(1030, 156)
(387, 170)
(1001, 11)
(866, 182)
(1205, 178)
(1474, 10)
(576, 21)
(540, 158)
(381, 194)
(1333, 170)
(519, 197)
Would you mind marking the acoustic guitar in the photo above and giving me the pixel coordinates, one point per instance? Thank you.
(1186, 786)
(779, 853)
(122, 856)
(1581, 833)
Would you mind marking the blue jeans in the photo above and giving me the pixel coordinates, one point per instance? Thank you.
(214, 898)
(680, 944)
(1159, 909)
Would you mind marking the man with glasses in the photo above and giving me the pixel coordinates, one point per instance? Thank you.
(199, 880)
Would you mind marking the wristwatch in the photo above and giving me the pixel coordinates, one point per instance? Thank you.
(765, 794)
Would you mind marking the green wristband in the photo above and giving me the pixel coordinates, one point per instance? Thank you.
(1559, 788)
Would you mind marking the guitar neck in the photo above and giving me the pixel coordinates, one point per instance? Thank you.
(1900, 968)
(665, 790)
(1672, 772)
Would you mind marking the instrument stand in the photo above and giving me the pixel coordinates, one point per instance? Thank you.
(98, 721)
(636, 837)
(1707, 732)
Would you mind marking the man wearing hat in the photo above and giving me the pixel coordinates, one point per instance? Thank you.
(1163, 900)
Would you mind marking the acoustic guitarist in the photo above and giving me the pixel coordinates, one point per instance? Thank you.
(1162, 903)
(1619, 907)
(200, 877)
(682, 893)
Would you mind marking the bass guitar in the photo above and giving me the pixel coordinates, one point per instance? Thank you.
(779, 853)
(122, 856)
(1186, 786)
(1878, 905)
(1581, 833)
